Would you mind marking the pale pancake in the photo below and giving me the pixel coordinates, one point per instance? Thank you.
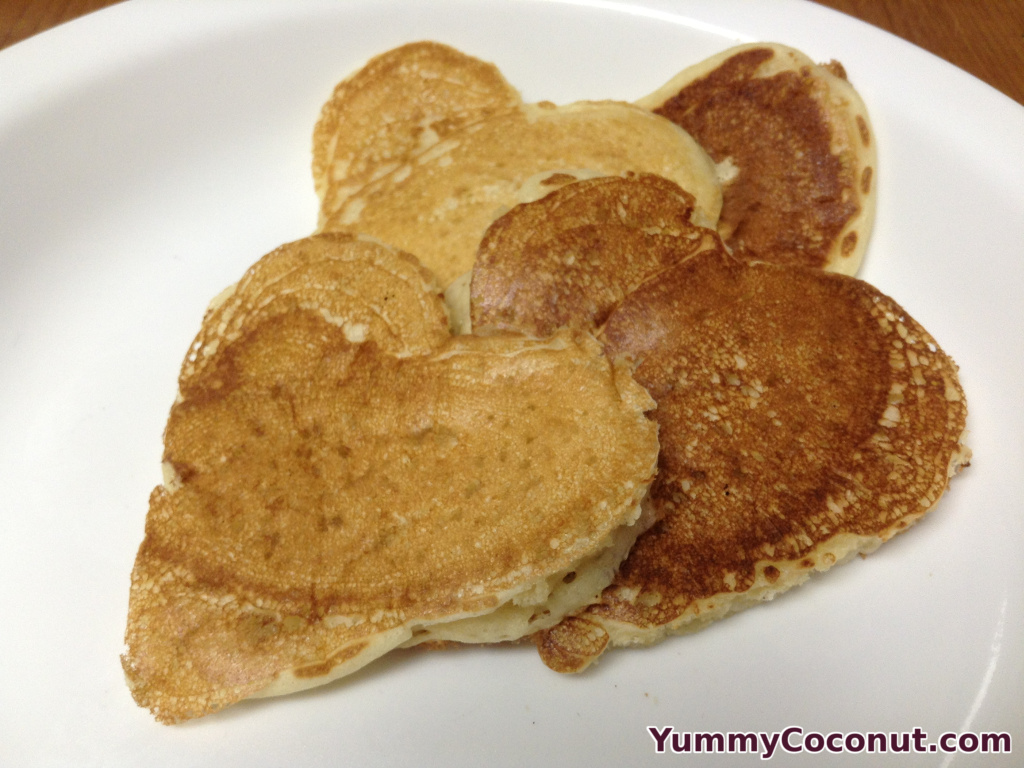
(570, 257)
(438, 205)
(794, 148)
(804, 417)
(400, 103)
(344, 477)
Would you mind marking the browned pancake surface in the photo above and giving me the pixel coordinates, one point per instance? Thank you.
(796, 149)
(569, 258)
(804, 416)
(334, 486)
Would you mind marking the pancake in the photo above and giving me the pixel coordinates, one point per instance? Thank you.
(400, 103)
(438, 205)
(344, 477)
(570, 257)
(804, 418)
(794, 149)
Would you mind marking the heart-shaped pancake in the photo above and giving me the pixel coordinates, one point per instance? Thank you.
(805, 417)
(344, 477)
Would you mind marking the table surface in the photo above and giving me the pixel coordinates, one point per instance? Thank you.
(984, 38)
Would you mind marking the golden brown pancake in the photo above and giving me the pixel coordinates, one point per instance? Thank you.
(343, 477)
(572, 256)
(794, 148)
(804, 417)
(400, 103)
(439, 204)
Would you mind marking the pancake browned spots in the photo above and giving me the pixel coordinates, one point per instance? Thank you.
(569, 258)
(792, 141)
(804, 416)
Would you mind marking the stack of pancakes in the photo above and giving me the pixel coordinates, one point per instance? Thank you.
(665, 398)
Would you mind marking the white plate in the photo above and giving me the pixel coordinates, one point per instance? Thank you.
(149, 153)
